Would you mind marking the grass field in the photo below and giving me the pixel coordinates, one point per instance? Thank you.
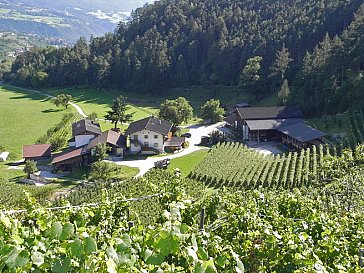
(24, 117)
(99, 101)
(188, 162)
(331, 124)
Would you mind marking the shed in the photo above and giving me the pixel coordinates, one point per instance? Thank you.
(37, 152)
(69, 159)
(300, 134)
(175, 143)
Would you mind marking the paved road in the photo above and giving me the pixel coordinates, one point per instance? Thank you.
(74, 105)
(196, 131)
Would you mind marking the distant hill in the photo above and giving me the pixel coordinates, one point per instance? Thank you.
(67, 19)
(258, 46)
(105, 5)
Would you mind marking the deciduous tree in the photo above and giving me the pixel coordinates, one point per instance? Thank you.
(118, 112)
(250, 73)
(211, 110)
(176, 111)
(62, 100)
(30, 167)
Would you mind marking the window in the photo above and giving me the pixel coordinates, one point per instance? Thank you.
(146, 144)
(146, 136)
(155, 144)
(155, 136)
(135, 137)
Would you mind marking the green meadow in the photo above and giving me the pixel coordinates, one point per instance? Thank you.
(99, 101)
(24, 117)
(188, 162)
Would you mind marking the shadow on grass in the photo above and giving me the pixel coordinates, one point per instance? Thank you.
(17, 178)
(52, 111)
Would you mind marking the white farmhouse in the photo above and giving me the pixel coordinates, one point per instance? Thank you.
(149, 135)
(83, 131)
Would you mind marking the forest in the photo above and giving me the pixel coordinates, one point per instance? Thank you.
(309, 49)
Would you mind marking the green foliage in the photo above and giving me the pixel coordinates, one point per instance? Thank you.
(211, 110)
(245, 231)
(234, 165)
(118, 111)
(58, 135)
(202, 43)
(250, 73)
(92, 116)
(101, 171)
(100, 152)
(176, 111)
(330, 80)
(62, 100)
(30, 167)
(12, 195)
(5, 66)
(40, 80)
(284, 93)
(154, 182)
(281, 63)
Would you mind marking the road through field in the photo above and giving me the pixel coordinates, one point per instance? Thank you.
(74, 105)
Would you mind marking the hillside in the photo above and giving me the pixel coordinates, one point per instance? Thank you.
(332, 75)
(253, 44)
(64, 19)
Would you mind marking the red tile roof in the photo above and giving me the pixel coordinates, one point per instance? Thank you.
(68, 155)
(36, 150)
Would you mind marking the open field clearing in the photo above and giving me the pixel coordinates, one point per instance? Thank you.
(99, 101)
(24, 118)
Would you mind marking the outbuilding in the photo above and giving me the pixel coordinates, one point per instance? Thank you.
(37, 152)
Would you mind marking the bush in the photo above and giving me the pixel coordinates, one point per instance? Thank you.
(58, 142)
(185, 145)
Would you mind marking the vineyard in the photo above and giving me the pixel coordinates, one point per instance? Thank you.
(250, 231)
(60, 133)
(235, 165)
(146, 210)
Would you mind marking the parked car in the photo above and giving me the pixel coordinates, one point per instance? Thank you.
(188, 135)
(162, 164)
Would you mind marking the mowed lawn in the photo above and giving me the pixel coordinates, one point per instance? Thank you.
(188, 162)
(24, 117)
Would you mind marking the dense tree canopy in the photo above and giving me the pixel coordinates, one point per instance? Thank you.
(331, 79)
(191, 42)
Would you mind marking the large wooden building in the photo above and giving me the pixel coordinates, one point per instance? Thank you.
(283, 124)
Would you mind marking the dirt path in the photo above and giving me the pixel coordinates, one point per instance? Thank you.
(74, 105)
(196, 131)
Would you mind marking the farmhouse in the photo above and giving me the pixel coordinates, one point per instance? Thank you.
(37, 152)
(115, 142)
(82, 155)
(83, 131)
(284, 124)
(151, 136)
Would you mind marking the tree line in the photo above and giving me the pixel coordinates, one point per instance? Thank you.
(331, 78)
(257, 45)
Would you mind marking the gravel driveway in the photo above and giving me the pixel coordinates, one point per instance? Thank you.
(196, 131)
